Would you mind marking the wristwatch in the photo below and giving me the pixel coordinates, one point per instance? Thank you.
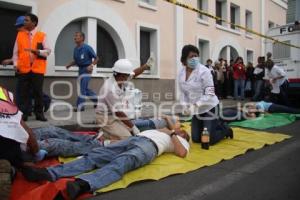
(173, 133)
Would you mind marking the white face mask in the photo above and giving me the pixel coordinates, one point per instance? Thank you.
(193, 62)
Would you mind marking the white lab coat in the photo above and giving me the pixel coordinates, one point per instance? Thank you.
(198, 90)
(276, 72)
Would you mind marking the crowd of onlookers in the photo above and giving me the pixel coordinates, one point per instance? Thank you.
(238, 80)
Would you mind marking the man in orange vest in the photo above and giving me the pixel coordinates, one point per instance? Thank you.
(30, 57)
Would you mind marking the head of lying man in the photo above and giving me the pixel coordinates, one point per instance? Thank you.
(250, 110)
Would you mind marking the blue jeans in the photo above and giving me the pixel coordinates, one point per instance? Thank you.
(258, 90)
(112, 162)
(85, 91)
(144, 124)
(60, 142)
(239, 85)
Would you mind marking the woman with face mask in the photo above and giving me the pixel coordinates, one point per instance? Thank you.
(198, 97)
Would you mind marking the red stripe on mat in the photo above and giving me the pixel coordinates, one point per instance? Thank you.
(25, 190)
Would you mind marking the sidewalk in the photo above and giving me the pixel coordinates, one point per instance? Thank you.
(65, 117)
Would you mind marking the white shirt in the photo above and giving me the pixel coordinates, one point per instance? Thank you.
(163, 141)
(110, 98)
(276, 72)
(46, 52)
(257, 70)
(10, 126)
(198, 89)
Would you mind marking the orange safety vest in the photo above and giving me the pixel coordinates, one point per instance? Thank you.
(23, 64)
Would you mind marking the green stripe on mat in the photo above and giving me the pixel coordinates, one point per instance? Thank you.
(267, 121)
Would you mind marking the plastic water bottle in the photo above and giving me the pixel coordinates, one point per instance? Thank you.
(205, 139)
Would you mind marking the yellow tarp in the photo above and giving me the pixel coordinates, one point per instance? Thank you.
(168, 164)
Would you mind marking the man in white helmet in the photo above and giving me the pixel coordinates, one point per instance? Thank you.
(110, 113)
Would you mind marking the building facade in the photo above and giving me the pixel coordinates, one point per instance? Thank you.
(133, 29)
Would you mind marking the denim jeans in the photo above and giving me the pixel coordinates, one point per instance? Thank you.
(258, 90)
(144, 124)
(239, 85)
(60, 142)
(85, 91)
(112, 162)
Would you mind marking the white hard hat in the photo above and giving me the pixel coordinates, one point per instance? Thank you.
(123, 66)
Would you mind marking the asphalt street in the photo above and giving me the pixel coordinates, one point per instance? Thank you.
(271, 173)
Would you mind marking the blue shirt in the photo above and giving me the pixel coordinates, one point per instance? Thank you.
(83, 56)
(263, 106)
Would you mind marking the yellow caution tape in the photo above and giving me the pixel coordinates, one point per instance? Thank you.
(175, 2)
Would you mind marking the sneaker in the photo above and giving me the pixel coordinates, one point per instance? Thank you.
(230, 134)
(5, 179)
(36, 174)
(76, 188)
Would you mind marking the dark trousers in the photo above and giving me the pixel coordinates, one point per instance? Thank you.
(282, 97)
(27, 82)
(216, 128)
(10, 150)
(276, 108)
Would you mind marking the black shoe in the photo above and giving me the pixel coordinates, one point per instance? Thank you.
(24, 117)
(76, 188)
(36, 174)
(46, 107)
(5, 179)
(96, 104)
(230, 134)
(41, 117)
(78, 110)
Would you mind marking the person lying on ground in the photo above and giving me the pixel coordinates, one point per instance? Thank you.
(113, 161)
(254, 109)
(57, 141)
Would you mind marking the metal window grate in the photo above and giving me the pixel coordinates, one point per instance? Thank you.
(281, 51)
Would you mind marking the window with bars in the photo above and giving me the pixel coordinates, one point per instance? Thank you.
(281, 51)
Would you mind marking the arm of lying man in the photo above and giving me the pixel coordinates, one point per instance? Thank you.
(178, 138)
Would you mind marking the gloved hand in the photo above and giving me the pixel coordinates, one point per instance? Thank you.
(151, 60)
(135, 130)
(40, 155)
